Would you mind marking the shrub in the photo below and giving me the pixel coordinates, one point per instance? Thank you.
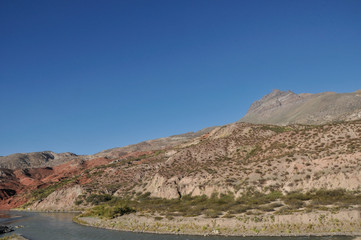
(78, 202)
(211, 213)
(276, 129)
(294, 203)
(96, 199)
(110, 211)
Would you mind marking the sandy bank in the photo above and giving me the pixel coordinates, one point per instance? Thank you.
(297, 224)
(13, 237)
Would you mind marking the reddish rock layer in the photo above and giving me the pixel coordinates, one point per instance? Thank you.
(15, 184)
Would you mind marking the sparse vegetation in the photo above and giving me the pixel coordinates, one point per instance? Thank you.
(221, 204)
(276, 129)
(96, 199)
(107, 211)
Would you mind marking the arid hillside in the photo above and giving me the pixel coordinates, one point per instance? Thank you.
(285, 108)
(238, 157)
(233, 159)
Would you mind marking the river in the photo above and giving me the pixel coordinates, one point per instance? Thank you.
(59, 226)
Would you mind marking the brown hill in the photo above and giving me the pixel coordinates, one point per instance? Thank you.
(284, 108)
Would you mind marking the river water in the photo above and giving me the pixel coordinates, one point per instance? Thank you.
(59, 226)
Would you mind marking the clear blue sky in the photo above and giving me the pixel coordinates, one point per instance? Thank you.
(84, 76)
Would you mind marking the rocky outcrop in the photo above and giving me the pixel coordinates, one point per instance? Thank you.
(5, 229)
(178, 186)
(284, 108)
(16, 185)
(62, 199)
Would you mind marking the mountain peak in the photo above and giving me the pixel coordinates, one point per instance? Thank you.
(286, 107)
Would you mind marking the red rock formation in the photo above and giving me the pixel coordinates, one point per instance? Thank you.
(15, 184)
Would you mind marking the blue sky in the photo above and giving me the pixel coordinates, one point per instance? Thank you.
(84, 76)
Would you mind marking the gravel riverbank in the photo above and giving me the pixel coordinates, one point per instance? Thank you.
(297, 224)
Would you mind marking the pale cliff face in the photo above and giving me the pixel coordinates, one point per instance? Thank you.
(62, 199)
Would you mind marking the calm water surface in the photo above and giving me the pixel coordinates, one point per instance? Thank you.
(56, 226)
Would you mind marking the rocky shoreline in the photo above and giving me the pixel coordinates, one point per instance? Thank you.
(5, 229)
(346, 223)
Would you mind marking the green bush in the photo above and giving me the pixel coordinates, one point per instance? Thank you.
(78, 202)
(96, 199)
(110, 211)
(338, 196)
(276, 129)
(294, 203)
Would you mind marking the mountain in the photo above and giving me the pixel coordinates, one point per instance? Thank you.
(285, 108)
(35, 159)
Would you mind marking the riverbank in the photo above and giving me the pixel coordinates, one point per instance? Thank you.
(297, 224)
(13, 237)
(44, 210)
